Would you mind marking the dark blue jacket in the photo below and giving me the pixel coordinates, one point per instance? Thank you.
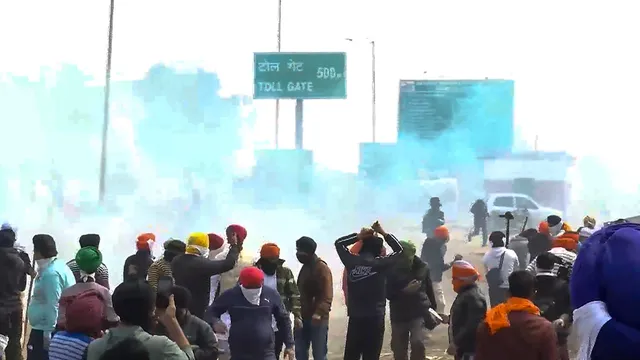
(251, 335)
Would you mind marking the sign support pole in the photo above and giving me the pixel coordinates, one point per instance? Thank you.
(299, 123)
(277, 143)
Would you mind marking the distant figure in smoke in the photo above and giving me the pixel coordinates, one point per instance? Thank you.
(587, 229)
(433, 218)
(480, 215)
(137, 265)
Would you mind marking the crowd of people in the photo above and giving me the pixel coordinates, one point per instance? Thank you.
(206, 299)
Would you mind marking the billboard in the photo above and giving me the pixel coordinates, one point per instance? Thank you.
(477, 114)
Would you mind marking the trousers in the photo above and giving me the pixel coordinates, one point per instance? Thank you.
(11, 326)
(364, 338)
(405, 335)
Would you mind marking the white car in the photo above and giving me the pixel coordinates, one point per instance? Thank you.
(520, 205)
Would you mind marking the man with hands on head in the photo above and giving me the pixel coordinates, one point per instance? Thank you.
(366, 277)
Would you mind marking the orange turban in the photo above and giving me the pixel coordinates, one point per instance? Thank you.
(463, 273)
(145, 241)
(568, 240)
(270, 251)
(543, 227)
(441, 232)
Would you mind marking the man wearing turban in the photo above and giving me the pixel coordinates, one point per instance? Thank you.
(252, 307)
(279, 277)
(88, 259)
(433, 251)
(193, 270)
(162, 267)
(136, 266)
(467, 311)
(604, 294)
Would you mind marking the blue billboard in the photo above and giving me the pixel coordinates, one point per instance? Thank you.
(470, 116)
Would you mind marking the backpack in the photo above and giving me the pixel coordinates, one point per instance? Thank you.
(494, 276)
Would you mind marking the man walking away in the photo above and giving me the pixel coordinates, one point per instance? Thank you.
(194, 270)
(433, 218)
(554, 300)
(520, 244)
(467, 311)
(315, 283)
(499, 263)
(565, 257)
(515, 329)
(480, 215)
(252, 307)
(433, 251)
(279, 277)
(410, 294)
(54, 276)
(13, 271)
(136, 266)
(134, 302)
(102, 273)
(162, 267)
(366, 303)
(88, 260)
(200, 335)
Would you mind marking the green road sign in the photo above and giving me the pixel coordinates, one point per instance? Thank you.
(299, 76)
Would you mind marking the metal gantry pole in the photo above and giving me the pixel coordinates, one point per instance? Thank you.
(105, 123)
(278, 100)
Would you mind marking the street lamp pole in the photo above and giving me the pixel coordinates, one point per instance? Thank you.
(278, 100)
(373, 88)
(105, 121)
(373, 91)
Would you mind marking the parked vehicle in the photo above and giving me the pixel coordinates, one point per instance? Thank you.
(522, 206)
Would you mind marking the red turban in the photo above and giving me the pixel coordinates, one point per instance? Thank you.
(251, 277)
(215, 241)
(240, 231)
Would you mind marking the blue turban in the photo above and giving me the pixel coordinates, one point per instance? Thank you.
(605, 291)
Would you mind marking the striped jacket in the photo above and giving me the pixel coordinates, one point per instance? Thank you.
(68, 346)
(288, 289)
(102, 274)
(158, 269)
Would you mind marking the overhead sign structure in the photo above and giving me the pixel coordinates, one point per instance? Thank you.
(300, 76)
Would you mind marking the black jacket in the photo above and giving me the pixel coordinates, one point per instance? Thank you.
(433, 251)
(14, 266)
(137, 266)
(366, 278)
(480, 212)
(431, 220)
(200, 336)
(194, 273)
(467, 313)
(554, 301)
(408, 306)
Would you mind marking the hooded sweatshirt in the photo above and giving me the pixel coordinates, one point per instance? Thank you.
(366, 276)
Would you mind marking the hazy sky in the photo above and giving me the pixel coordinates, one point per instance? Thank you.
(575, 63)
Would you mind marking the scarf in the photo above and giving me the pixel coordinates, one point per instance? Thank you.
(85, 277)
(498, 316)
(252, 295)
